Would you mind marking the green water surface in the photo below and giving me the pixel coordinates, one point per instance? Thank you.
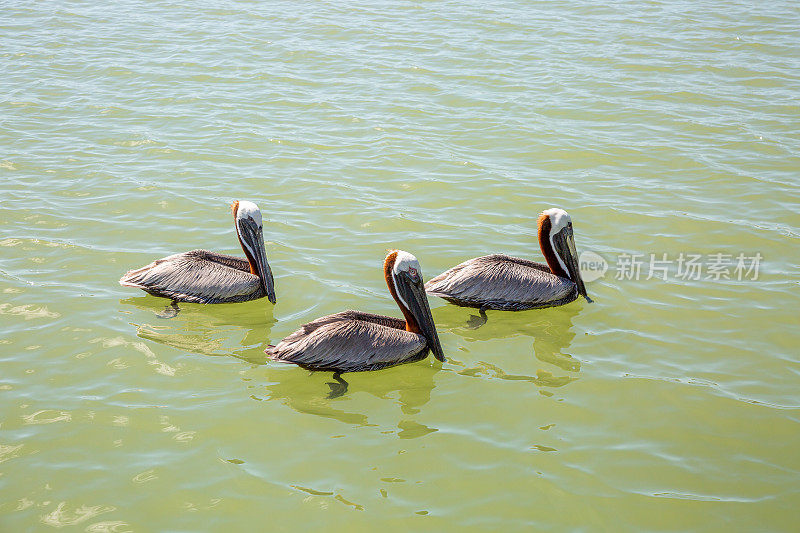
(442, 128)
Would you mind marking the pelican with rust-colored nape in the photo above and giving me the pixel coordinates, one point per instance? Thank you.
(204, 277)
(353, 341)
(513, 284)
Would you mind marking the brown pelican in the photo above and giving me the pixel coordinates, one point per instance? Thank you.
(352, 341)
(512, 284)
(207, 277)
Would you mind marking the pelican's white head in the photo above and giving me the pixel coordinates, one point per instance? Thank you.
(559, 219)
(406, 262)
(247, 210)
(249, 228)
(404, 278)
(558, 246)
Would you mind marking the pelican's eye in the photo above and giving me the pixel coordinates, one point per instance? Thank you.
(412, 272)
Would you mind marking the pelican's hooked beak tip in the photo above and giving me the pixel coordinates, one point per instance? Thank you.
(439, 354)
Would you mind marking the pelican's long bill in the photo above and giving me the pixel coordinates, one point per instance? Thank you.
(253, 238)
(564, 244)
(411, 290)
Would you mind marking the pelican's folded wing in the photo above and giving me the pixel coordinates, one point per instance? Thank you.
(198, 276)
(343, 343)
(502, 282)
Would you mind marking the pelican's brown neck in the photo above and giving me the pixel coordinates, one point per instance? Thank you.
(388, 266)
(250, 259)
(545, 226)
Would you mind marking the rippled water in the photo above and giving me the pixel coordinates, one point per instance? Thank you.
(442, 128)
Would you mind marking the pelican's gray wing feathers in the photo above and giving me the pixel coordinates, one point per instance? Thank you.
(198, 276)
(502, 282)
(350, 341)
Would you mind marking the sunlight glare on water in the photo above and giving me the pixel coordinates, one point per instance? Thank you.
(442, 128)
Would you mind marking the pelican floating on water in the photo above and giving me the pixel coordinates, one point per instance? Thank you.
(352, 341)
(512, 284)
(207, 277)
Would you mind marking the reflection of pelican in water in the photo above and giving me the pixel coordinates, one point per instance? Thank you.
(551, 329)
(237, 330)
(409, 386)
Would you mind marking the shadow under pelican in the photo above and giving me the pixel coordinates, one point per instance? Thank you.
(410, 385)
(208, 329)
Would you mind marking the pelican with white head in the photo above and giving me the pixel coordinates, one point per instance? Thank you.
(502, 282)
(205, 277)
